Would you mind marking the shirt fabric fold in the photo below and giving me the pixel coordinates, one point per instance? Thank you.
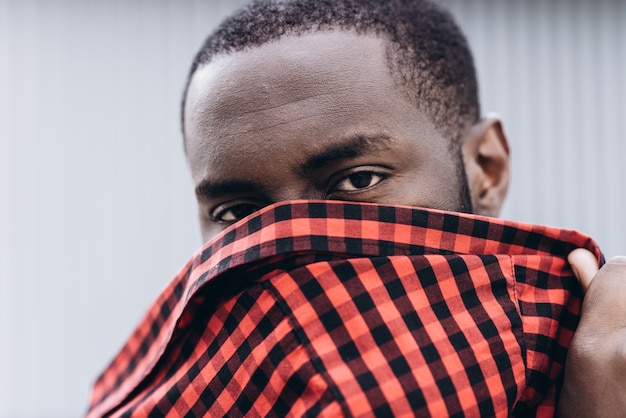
(328, 308)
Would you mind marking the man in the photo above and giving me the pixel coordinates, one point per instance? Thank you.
(308, 307)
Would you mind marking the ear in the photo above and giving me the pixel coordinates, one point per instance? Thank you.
(486, 156)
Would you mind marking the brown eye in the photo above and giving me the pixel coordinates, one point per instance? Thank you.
(358, 181)
(234, 213)
(361, 180)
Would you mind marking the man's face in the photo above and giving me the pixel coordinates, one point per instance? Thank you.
(310, 117)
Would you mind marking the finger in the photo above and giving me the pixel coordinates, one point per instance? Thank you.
(585, 266)
(604, 306)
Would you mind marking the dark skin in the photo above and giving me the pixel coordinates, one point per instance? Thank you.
(595, 376)
(281, 122)
(319, 117)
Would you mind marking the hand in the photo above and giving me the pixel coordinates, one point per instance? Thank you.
(595, 371)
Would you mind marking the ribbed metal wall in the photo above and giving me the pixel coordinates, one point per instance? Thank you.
(96, 202)
(96, 209)
(556, 72)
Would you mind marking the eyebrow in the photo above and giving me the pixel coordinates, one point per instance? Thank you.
(352, 147)
(208, 189)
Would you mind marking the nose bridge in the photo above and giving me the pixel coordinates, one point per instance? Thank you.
(298, 191)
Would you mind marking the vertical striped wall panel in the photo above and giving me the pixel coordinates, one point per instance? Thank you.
(96, 206)
(556, 73)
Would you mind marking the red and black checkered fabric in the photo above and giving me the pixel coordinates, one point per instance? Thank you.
(334, 308)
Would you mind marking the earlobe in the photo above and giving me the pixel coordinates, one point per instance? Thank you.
(486, 156)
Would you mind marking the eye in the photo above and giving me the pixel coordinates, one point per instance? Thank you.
(233, 212)
(358, 181)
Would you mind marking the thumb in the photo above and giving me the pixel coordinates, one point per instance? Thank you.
(604, 306)
(585, 266)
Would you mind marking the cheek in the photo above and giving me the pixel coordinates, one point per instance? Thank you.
(209, 229)
(430, 190)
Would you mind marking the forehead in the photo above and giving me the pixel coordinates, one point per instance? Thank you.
(320, 80)
(293, 98)
(284, 69)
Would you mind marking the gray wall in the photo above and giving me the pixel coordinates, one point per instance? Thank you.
(96, 205)
(556, 72)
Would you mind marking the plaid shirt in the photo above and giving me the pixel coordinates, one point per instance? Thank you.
(336, 308)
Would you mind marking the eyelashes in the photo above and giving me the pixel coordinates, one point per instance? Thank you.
(234, 211)
(347, 184)
(359, 181)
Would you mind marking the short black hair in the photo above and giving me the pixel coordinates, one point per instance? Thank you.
(428, 55)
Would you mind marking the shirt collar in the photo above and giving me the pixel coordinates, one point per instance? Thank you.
(367, 229)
